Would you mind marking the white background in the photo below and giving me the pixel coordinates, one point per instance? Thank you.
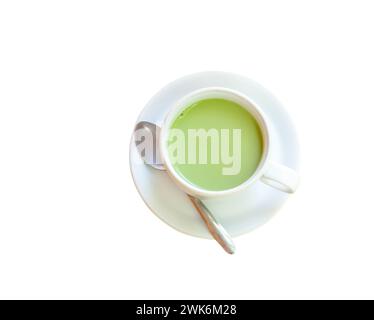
(74, 76)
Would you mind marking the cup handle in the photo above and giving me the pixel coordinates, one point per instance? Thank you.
(280, 177)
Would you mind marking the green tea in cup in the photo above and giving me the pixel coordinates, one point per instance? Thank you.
(215, 144)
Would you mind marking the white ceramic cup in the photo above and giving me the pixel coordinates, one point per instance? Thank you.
(273, 174)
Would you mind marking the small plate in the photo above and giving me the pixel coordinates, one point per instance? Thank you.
(239, 213)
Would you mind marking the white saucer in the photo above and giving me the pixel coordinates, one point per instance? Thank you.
(238, 213)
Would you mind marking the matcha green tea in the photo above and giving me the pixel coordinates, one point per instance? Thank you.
(215, 144)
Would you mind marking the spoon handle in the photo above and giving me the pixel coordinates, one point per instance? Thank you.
(215, 229)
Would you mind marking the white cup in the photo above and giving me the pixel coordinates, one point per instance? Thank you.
(269, 172)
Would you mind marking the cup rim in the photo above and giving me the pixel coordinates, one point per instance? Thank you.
(178, 107)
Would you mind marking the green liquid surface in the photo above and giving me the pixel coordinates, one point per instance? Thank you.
(217, 114)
